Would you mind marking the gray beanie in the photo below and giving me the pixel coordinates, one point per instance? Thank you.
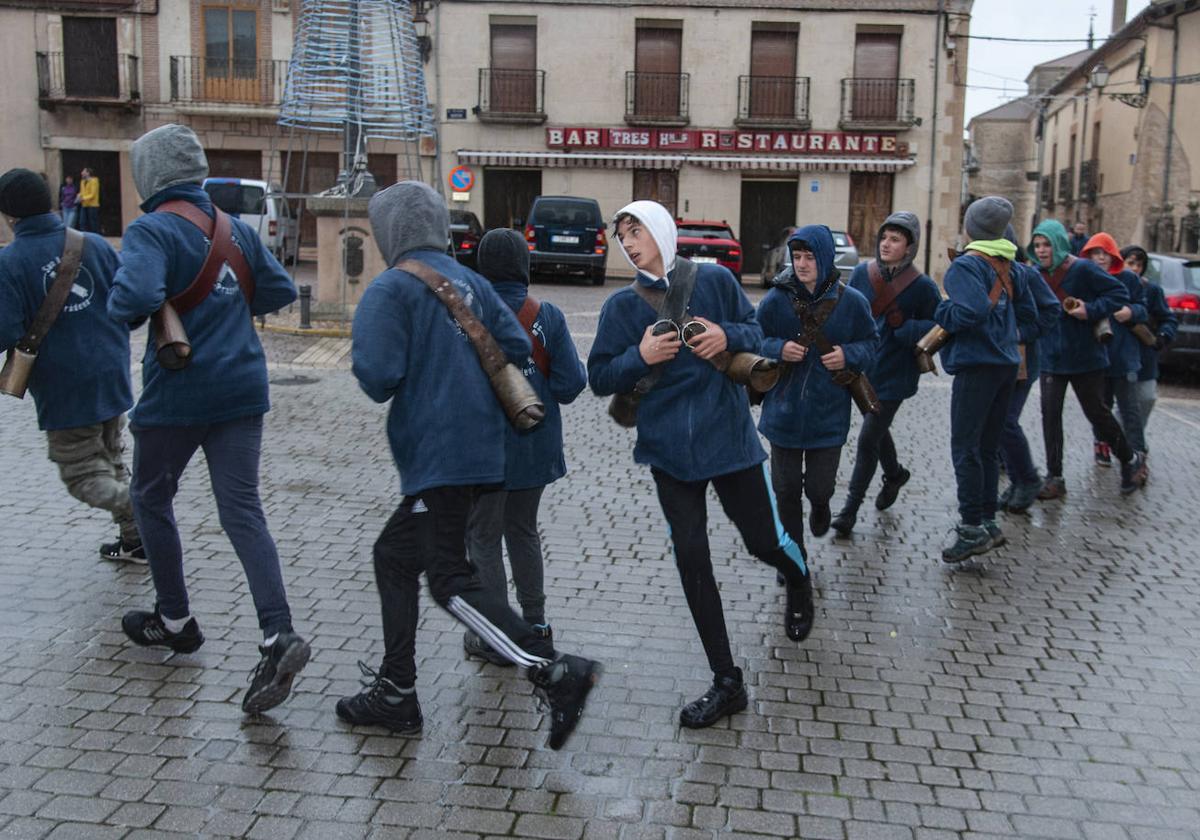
(167, 156)
(987, 218)
(408, 216)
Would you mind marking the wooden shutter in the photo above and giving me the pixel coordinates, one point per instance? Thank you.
(90, 57)
(772, 74)
(657, 62)
(514, 68)
(661, 185)
(876, 71)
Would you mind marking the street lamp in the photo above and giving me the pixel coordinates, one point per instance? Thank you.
(1100, 77)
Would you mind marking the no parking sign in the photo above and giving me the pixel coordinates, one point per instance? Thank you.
(461, 179)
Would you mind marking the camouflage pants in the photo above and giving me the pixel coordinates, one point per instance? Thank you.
(91, 464)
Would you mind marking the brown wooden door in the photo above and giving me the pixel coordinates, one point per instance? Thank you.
(661, 185)
(507, 196)
(513, 87)
(767, 208)
(870, 205)
(90, 67)
(876, 73)
(231, 56)
(772, 74)
(318, 173)
(657, 62)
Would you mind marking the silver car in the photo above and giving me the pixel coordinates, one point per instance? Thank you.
(777, 258)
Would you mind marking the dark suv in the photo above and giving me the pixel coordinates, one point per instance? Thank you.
(566, 237)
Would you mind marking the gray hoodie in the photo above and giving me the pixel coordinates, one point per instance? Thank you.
(165, 157)
(408, 216)
(905, 221)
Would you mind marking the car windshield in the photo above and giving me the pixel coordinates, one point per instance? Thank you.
(236, 198)
(1166, 272)
(552, 212)
(840, 240)
(706, 231)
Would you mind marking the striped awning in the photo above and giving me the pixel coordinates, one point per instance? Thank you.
(666, 160)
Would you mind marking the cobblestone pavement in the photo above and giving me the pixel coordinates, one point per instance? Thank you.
(1050, 693)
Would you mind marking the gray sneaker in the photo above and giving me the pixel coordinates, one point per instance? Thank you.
(994, 533)
(968, 540)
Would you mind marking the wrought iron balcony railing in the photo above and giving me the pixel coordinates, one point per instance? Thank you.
(511, 95)
(1089, 180)
(1066, 184)
(198, 80)
(656, 98)
(114, 83)
(773, 100)
(868, 103)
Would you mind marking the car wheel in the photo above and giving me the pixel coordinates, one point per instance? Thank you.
(598, 278)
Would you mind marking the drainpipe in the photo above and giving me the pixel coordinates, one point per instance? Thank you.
(937, 66)
(1166, 188)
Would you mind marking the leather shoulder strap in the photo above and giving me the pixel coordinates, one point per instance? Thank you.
(527, 314)
(221, 252)
(56, 295)
(671, 305)
(1003, 281)
(885, 293)
(813, 317)
(1055, 279)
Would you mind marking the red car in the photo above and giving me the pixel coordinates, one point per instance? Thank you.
(710, 242)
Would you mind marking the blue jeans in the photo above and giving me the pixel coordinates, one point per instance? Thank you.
(978, 405)
(1014, 446)
(68, 216)
(1125, 390)
(232, 449)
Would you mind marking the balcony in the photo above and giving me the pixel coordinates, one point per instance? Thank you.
(880, 104)
(1089, 180)
(773, 102)
(91, 87)
(511, 96)
(659, 99)
(248, 88)
(1048, 192)
(1066, 184)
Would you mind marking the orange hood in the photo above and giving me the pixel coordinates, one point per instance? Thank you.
(1109, 246)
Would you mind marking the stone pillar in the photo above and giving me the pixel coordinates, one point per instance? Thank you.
(347, 257)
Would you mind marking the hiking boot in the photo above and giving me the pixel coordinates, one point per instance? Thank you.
(1053, 488)
(148, 630)
(564, 685)
(1133, 473)
(271, 679)
(800, 613)
(128, 552)
(995, 535)
(891, 489)
(475, 647)
(818, 520)
(383, 703)
(968, 540)
(1103, 453)
(1023, 496)
(844, 522)
(726, 696)
(1006, 496)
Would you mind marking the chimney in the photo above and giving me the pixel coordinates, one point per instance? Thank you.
(1118, 18)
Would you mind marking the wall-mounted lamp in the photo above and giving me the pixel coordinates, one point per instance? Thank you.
(424, 41)
(1099, 80)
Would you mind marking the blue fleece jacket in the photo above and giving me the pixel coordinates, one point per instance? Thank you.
(807, 409)
(695, 423)
(161, 255)
(983, 334)
(82, 372)
(893, 371)
(534, 458)
(1124, 351)
(445, 425)
(1166, 323)
(1046, 308)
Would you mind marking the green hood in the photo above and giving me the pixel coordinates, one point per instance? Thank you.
(1053, 230)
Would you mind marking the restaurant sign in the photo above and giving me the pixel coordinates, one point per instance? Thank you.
(726, 140)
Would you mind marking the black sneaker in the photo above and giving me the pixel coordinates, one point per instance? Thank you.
(476, 648)
(995, 535)
(1052, 488)
(147, 629)
(544, 632)
(382, 704)
(1102, 453)
(1133, 473)
(1023, 496)
(128, 552)
(564, 685)
(271, 679)
(968, 540)
(891, 489)
(800, 613)
(818, 520)
(844, 522)
(726, 696)
(1006, 496)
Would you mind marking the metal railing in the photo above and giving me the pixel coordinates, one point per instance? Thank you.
(1066, 184)
(512, 92)
(1048, 191)
(878, 101)
(198, 79)
(1089, 180)
(767, 99)
(58, 82)
(656, 97)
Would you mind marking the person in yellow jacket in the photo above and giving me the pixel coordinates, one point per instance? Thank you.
(89, 202)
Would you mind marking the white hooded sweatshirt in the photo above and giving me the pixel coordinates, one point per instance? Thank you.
(656, 219)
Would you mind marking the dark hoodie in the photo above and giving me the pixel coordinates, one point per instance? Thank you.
(1156, 307)
(1070, 347)
(893, 371)
(1124, 351)
(807, 409)
(534, 458)
(445, 426)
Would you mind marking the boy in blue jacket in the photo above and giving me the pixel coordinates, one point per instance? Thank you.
(447, 433)
(1162, 323)
(1072, 356)
(216, 404)
(980, 312)
(902, 301)
(694, 428)
(533, 458)
(80, 382)
(806, 416)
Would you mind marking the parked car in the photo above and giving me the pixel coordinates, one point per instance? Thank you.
(1179, 276)
(777, 257)
(465, 233)
(709, 242)
(566, 236)
(262, 207)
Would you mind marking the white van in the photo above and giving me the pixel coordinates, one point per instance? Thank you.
(259, 205)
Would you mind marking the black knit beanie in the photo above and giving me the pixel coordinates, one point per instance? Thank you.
(503, 255)
(23, 193)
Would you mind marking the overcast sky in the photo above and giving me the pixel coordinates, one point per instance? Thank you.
(996, 64)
